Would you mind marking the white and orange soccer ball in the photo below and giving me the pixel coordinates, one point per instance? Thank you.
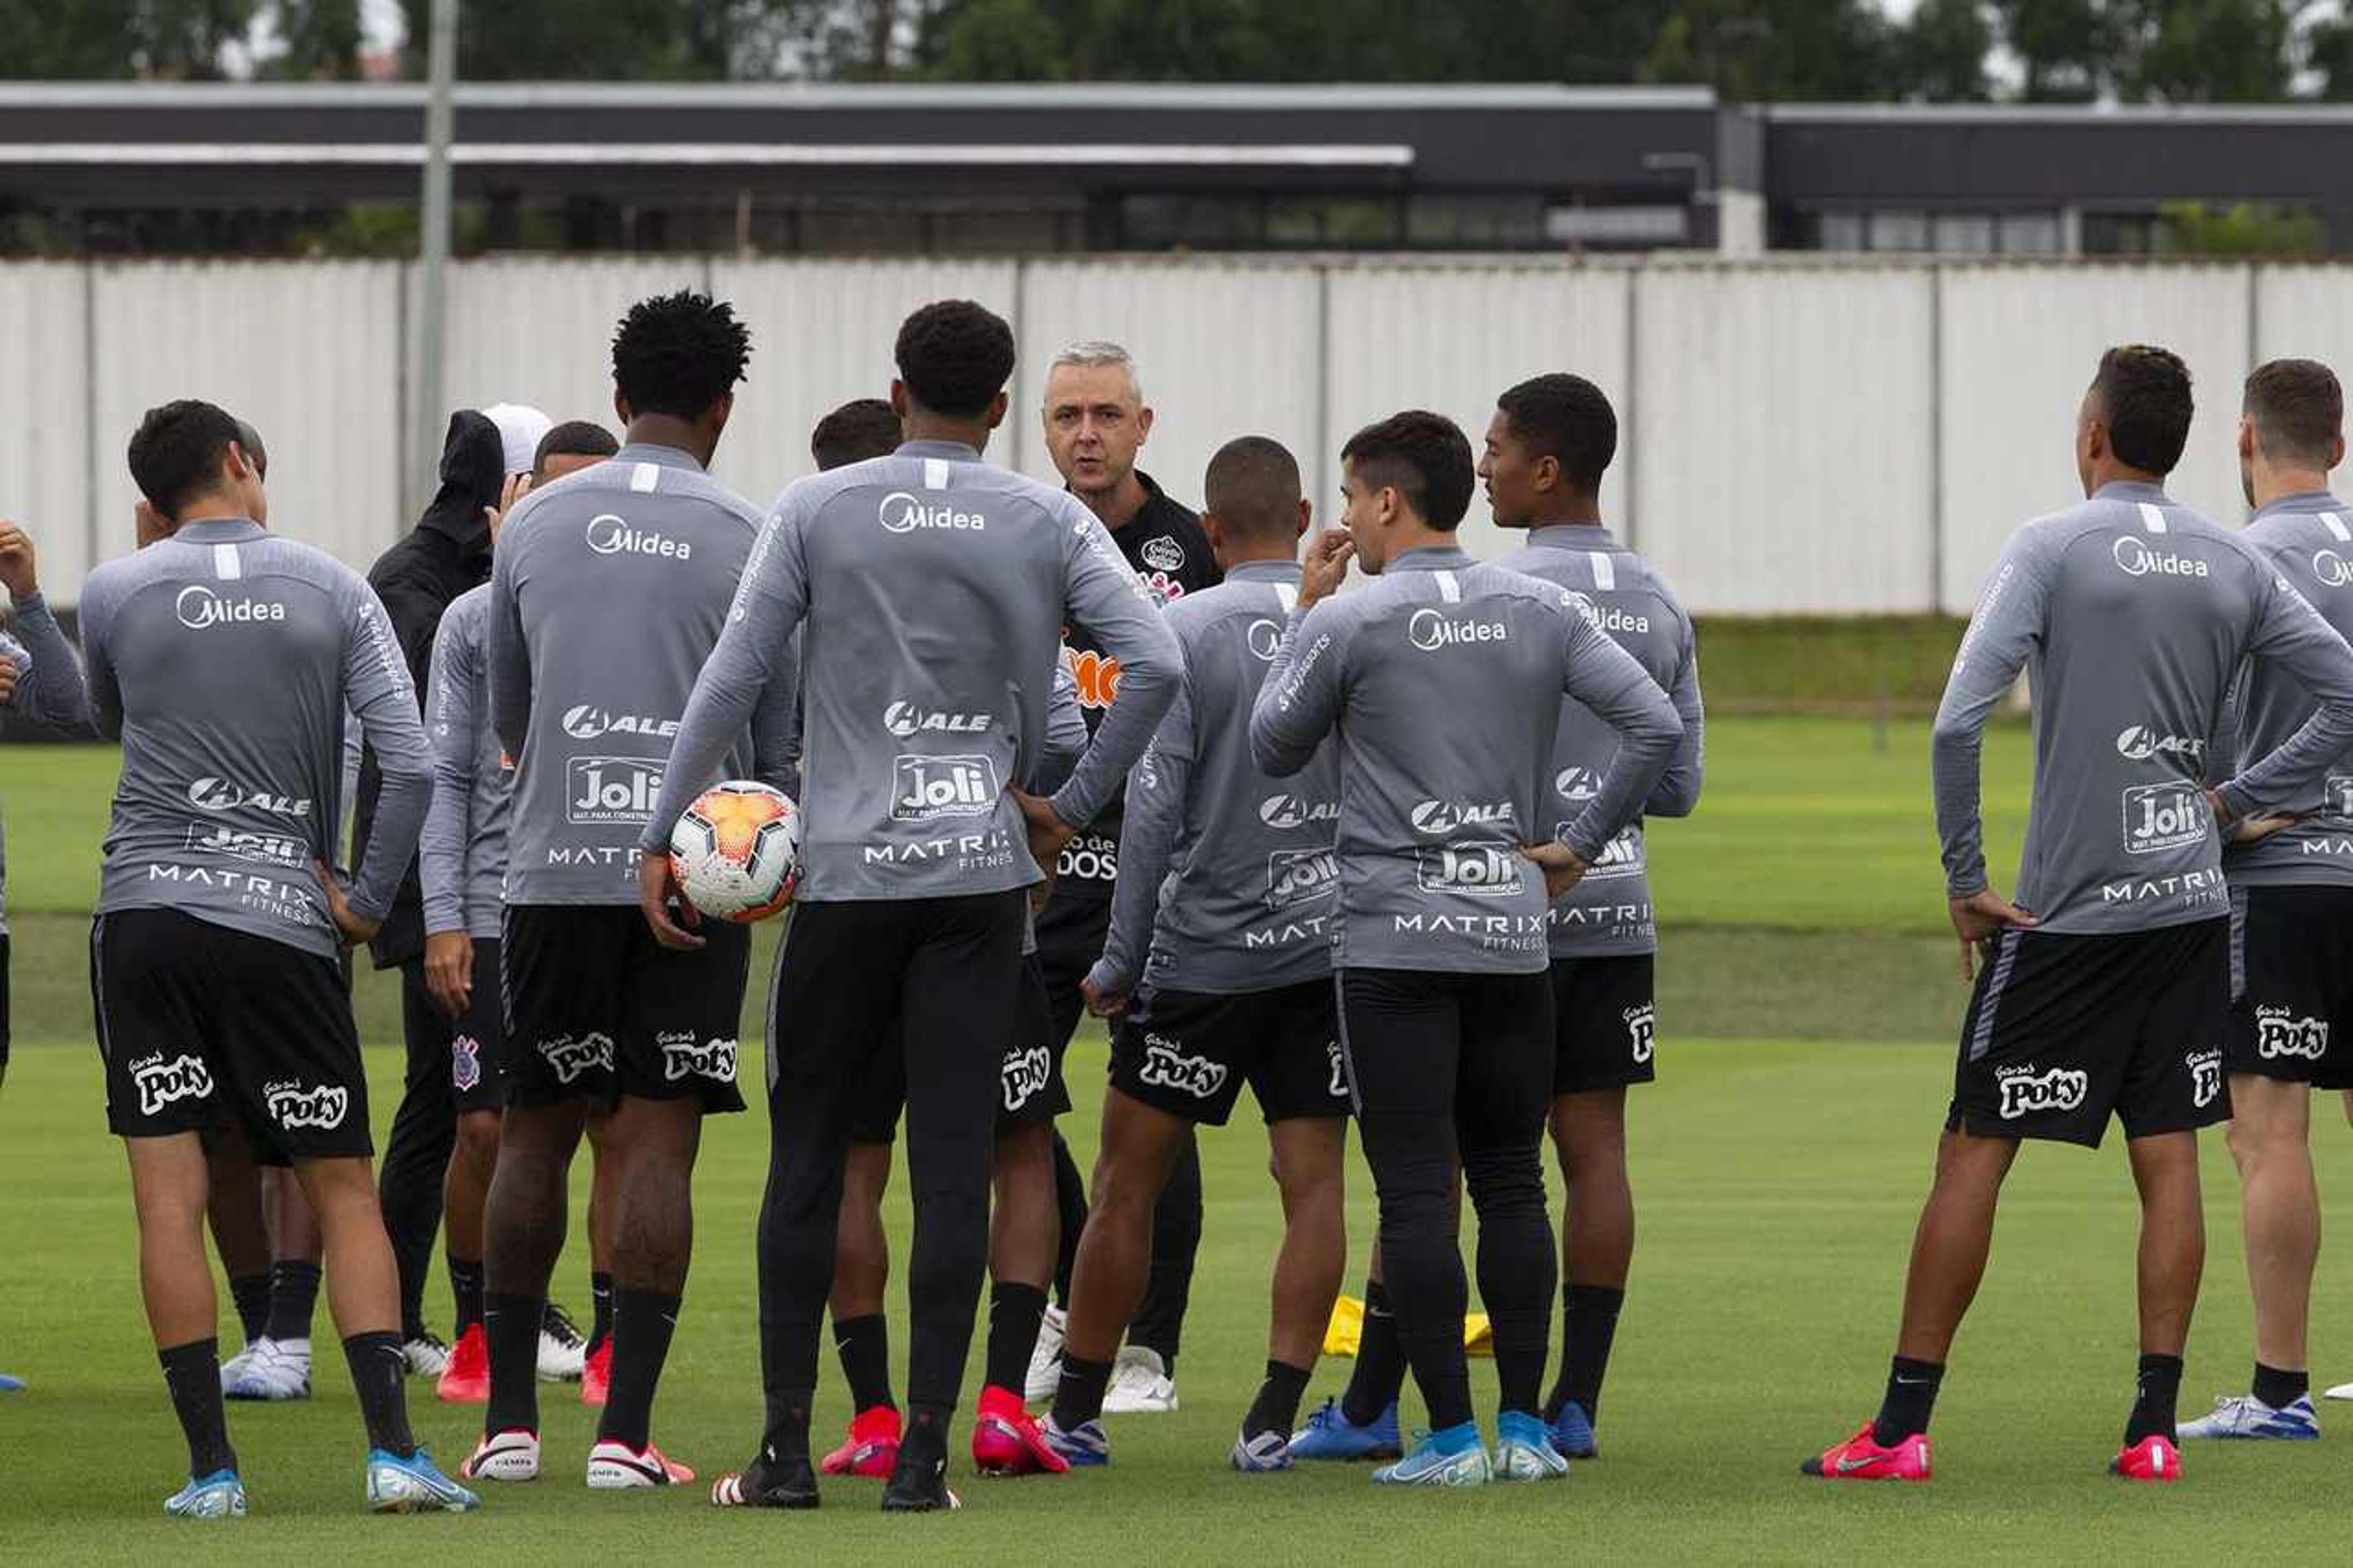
(738, 851)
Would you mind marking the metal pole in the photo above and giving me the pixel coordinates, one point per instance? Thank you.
(433, 252)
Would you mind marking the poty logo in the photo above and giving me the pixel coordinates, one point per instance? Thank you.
(1641, 1027)
(1288, 811)
(567, 1057)
(211, 794)
(611, 789)
(2164, 817)
(1296, 876)
(1023, 1075)
(1265, 639)
(682, 1057)
(2205, 1076)
(1167, 1065)
(905, 719)
(589, 722)
(1484, 872)
(1338, 1087)
(2139, 744)
(465, 1063)
(904, 513)
(321, 1106)
(160, 1082)
(1437, 818)
(1429, 631)
(200, 608)
(2331, 569)
(2023, 1089)
(611, 535)
(929, 787)
(2279, 1035)
(2138, 558)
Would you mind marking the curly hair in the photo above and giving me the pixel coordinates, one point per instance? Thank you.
(678, 353)
(955, 356)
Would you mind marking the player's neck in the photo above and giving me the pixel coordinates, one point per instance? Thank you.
(1118, 505)
(219, 507)
(2277, 484)
(2115, 473)
(670, 430)
(923, 425)
(1412, 533)
(1567, 511)
(1279, 552)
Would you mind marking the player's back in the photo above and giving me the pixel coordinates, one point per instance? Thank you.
(2308, 539)
(223, 651)
(616, 581)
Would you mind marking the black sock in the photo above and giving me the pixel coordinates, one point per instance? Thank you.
(1080, 1398)
(191, 1377)
(2280, 1389)
(466, 1288)
(865, 1346)
(293, 1296)
(510, 1329)
(600, 1296)
(1380, 1361)
(925, 1440)
(1911, 1396)
(1588, 1322)
(251, 1294)
(2154, 1399)
(1276, 1408)
(378, 1372)
(786, 1439)
(1014, 1313)
(643, 1322)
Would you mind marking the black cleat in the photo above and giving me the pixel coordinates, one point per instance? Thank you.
(919, 1486)
(767, 1482)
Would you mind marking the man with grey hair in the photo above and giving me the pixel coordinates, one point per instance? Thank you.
(1097, 421)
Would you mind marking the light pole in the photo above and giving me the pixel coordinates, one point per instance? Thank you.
(432, 254)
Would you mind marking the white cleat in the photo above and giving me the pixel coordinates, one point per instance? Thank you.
(509, 1456)
(563, 1352)
(616, 1467)
(1140, 1384)
(2244, 1416)
(1045, 1379)
(278, 1370)
(238, 1364)
(2342, 1391)
(426, 1354)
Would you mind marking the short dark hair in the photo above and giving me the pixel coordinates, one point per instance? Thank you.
(1567, 419)
(176, 452)
(2297, 410)
(862, 429)
(955, 356)
(573, 438)
(1253, 485)
(678, 353)
(1425, 457)
(2144, 392)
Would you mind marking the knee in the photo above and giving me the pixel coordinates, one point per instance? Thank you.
(478, 1140)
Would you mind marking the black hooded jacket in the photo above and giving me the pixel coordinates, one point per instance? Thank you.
(445, 553)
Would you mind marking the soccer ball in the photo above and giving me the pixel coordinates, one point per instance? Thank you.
(738, 851)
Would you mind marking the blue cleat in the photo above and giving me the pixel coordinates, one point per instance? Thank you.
(1572, 1433)
(1524, 1450)
(11, 1384)
(217, 1496)
(1329, 1435)
(1083, 1445)
(2245, 1416)
(414, 1485)
(1256, 1455)
(1454, 1457)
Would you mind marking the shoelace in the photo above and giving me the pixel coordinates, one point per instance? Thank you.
(429, 1340)
(557, 1325)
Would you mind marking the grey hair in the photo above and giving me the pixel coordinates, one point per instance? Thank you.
(1100, 351)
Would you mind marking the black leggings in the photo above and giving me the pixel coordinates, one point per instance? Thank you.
(416, 1155)
(946, 969)
(1448, 1069)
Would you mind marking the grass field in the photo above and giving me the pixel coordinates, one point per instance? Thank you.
(1779, 1178)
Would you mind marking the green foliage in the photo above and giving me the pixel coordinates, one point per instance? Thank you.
(321, 39)
(2244, 228)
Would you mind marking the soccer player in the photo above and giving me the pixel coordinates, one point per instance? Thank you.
(1217, 969)
(2290, 900)
(2105, 987)
(461, 861)
(224, 658)
(1097, 421)
(933, 587)
(608, 592)
(40, 681)
(1443, 682)
(862, 429)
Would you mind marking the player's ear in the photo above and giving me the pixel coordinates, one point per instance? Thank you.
(898, 399)
(622, 408)
(1144, 425)
(1306, 518)
(1548, 474)
(719, 412)
(2336, 451)
(997, 407)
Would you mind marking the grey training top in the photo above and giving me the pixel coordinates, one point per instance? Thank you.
(2131, 614)
(610, 589)
(48, 689)
(462, 860)
(933, 588)
(1609, 912)
(2308, 541)
(223, 658)
(1443, 678)
(1237, 866)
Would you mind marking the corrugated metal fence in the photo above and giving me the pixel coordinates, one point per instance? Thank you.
(1798, 436)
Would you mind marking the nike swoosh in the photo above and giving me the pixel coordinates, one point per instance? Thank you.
(1847, 1463)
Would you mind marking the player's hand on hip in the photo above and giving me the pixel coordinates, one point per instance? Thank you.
(2255, 829)
(657, 892)
(1561, 865)
(1102, 1003)
(18, 563)
(1982, 917)
(1047, 834)
(354, 927)
(449, 970)
(1326, 565)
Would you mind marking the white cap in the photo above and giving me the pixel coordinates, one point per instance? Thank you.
(521, 429)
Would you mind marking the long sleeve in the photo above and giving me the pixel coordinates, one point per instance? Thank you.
(2004, 633)
(754, 653)
(98, 660)
(1677, 791)
(53, 691)
(1612, 683)
(1066, 735)
(510, 656)
(2290, 634)
(1157, 791)
(377, 690)
(441, 850)
(1100, 596)
(1300, 700)
(777, 724)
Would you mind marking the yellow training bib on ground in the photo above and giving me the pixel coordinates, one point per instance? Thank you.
(1347, 1329)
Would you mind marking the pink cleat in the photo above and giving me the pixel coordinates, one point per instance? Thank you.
(1006, 1440)
(872, 1449)
(1861, 1459)
(2153, 1458)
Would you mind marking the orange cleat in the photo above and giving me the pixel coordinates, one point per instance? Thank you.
(1861, 1459)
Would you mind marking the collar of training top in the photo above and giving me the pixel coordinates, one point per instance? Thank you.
(661, 455)
(1572, 536)
(2301, 501)
(1264, 572)
(955, 451)
(1430, 558)
(2131, 489)
(218, 530)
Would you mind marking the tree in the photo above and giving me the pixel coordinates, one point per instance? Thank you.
(321, 39)
(1755, 51)
(1941, 54)
(2206, 51)
(614, 40)
(2063, 47)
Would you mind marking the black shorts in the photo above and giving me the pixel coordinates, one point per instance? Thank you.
(2062, 1031)
(1189, 1053)
(474, 1046)
(1604, 1013)
(2291, 973)
(1071, 935)
(201, 1026)
(1479, 1047)
(595, 1008)
(1030, 1081)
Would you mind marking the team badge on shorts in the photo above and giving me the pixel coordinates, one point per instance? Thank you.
(465, 1063)
(1026, 1072)
(1642, 1025)
(2205, 1076)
